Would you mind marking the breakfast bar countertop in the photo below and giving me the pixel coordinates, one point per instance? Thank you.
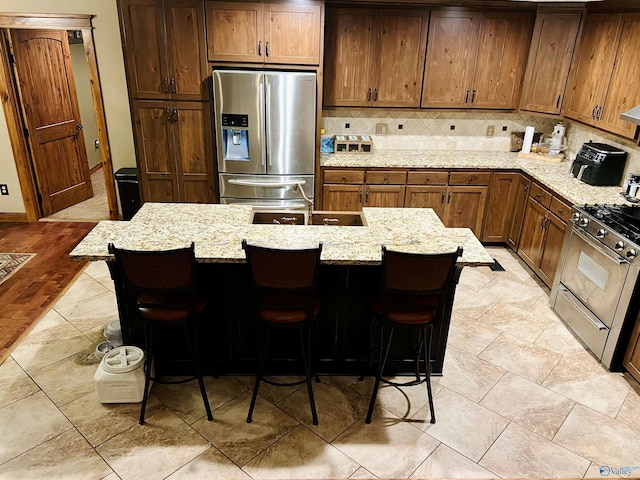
(554, 175)
(218, 231)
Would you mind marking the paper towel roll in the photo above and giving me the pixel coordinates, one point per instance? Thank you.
(528, 139)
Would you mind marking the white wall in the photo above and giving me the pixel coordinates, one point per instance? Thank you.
(112, 78)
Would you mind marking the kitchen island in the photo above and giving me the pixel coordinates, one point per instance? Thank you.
(349, 277)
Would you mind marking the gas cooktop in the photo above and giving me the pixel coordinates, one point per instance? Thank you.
(622, 219)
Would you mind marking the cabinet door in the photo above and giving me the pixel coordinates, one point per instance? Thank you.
(552, 47)
(624, 89)
(400, 51)
(348, 66)
(234, 32)
(632, 357)
(502, 197)
(391, 196)
(191, 122)
(592, 69)
(532, 236)
(186, 50)
(519, 207)
(155, 150)
(419, 196)
(451, 53)
(465, 208)
(144, 44)
(342, 197)
(554, 237)
(292, 33)
(502, 51)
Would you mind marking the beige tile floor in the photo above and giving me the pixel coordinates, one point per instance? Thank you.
(519, 397)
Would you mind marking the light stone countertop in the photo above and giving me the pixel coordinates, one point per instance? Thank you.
(555, 176)
(218, 231)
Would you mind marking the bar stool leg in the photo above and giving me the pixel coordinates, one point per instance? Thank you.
(256, 386)
(307, 369)
(382, 363)
(148, 340)
(195, 359)
(427, 361)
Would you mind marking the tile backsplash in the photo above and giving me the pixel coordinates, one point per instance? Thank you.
(427, 130)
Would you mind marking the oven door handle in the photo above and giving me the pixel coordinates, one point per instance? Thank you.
(581, 308)
(596, 246)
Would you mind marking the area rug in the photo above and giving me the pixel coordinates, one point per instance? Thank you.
(10, 263)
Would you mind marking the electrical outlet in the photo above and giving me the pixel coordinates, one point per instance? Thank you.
(347, 125)
(452, 127)
(504, 128)
(4, 189)
(400, 126)
(382, 129)
(490, 130)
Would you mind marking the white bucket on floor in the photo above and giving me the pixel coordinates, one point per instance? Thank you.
(120, 376)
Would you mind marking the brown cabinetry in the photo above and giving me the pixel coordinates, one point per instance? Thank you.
(552, 46)
(374, 58)
(519, 206)
(543, 233)
(354, 189)
(632, 357)
(164, 48)
(604, 78)
(503, 196)
(274, 33)
(475, 59)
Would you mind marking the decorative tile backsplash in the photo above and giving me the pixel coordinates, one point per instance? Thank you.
(427, 130)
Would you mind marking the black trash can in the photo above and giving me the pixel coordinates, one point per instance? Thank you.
(128, 186)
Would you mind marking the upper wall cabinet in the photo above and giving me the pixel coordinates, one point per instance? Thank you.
(374, 58)
(604, 81)
(475, 59)
(552, 46)
(278, 33)
(165, 49)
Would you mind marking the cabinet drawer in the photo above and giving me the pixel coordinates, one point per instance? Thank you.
(469, 178)
(344, 176)
(541, 195)
(386, 177)
(560, 209)
(427, 178)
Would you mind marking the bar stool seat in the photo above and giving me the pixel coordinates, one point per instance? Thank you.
(413, 295)
(163, 284)
(284, 297)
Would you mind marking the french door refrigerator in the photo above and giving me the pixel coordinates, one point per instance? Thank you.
(265, 125)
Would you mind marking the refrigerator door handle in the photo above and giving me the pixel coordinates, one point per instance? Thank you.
(262, 113)
(253, 183)
(268, 120)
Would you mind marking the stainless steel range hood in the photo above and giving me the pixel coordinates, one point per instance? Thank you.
(632, 115)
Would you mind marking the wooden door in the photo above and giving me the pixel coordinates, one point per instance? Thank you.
(48, 93)
(465, 208)
(420, 196)
(342, 197)
(624, 88)
(519, 207)
(349, 60)
(532, 235)
(143, 34)
(400, 51)
(235, 32)
(186, 53)
(451, 53)
(550, 256)
(194, 152)
(391, 196)
(292, 33)
(155, 149)
(593, 66)
(632, 357)
(502, 197)
(502, 51)
(554, 39)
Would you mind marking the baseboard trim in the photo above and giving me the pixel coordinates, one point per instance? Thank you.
(95, 168)
(13, 218)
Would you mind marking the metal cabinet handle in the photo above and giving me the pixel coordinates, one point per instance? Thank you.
(473, 96)
(599, 113)
(526, 190)
(542, 222)
(174, 115)
(442, 200)
(558, 101)
(466, 97)
(449, 198)
(172, 85)
(165, 85)
(593, 112)
(266, 49)
(375, 94)
(366, 196)
(360, 196)
(369, 95)
(470, 180)
(167, 112)
(259, 48)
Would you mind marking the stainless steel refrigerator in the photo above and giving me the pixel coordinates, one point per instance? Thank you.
(265, 134)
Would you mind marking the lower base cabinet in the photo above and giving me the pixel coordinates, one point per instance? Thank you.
(508, 195)
(632, 358)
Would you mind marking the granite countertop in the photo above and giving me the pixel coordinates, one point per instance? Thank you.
(555, 176)
(218, 231)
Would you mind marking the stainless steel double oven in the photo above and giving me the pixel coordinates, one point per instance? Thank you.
(594, 291)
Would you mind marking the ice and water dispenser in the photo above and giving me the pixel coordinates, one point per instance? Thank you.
(235, 137)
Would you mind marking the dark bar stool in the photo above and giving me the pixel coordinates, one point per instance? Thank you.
(413, 297)
(284, 297)
(163, 284)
